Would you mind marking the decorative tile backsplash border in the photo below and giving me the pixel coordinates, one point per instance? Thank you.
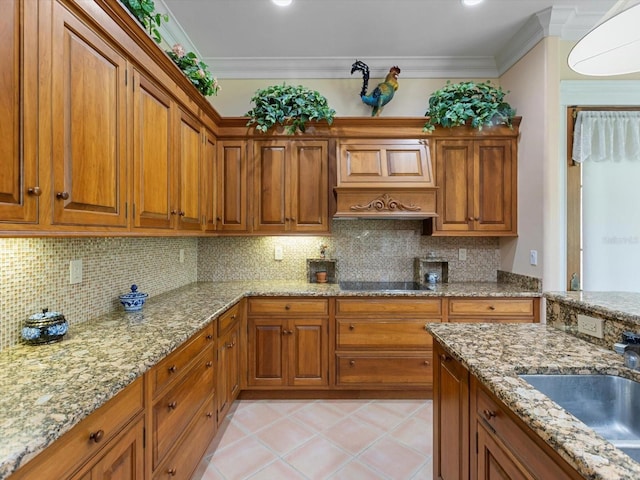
(34, 274)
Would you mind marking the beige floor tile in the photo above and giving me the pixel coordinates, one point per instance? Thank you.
(210, 473)
(278, 470)
(379, 416)
(393, 459)
(244, 458)
(284, 435)
(252, 417)
(353, 435)
(346, 405)
(317, 459)
(319, 416)
(426, 472)
(355, 470)
(403, 407)
(287, 407)
(228, 433)
(415, 433)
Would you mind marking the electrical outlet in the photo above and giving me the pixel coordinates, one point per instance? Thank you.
(533, 257)
(182, 255)
(278, 253)
(590, 326)
(462, 254)
(75, 272)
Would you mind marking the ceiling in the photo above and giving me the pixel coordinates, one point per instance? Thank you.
(321, 38)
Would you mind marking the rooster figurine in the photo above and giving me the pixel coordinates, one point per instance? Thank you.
(383, 93)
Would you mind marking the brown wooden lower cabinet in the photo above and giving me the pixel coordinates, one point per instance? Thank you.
(475, 436)
(228, 360)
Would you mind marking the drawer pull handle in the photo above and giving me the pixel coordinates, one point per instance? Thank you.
(491, 307)
(352, 327)
(209, 364)
(63, 195)
(427, 362)
(287, 307)
(172, 472)
(229, 345)
(35, 191)
(174, 212)
(181, 213)
(352, 362)
(172, 405)
(209, 414)
(233, 317)
(209, 337)
(444, 357)
(488, 414)
(97, 436)
(172, 369)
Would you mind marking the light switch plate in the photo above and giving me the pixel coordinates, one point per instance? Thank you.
(75, 272)
(278, 253)
(462, 254)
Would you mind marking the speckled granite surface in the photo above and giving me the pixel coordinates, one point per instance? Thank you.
(623, 306)
(496, 354)
(48, 389)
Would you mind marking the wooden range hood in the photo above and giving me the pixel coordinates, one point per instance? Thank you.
(389, 178)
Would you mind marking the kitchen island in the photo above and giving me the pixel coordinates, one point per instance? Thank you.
(496, 354)
(47, 390)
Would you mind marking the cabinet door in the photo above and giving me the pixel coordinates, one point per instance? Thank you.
(209, 187)
(189, 179)
(152, 158)
(309, 184)
(271, 183)
(228, 371)
(308, 352)
(88, 126)
(267, 354)
(19, 188)
(454, 173)
(450, 417)
(232, 186)
(494, 460)
(494, 186)
(122, 460)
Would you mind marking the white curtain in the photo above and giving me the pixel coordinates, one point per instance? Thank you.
(609, 145)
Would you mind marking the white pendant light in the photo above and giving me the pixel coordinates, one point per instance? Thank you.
(611, 48)
(471, 3)
(282, 3)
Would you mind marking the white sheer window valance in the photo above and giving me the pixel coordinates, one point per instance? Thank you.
(606, 136)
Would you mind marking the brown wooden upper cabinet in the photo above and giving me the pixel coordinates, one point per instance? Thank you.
(88, 126)
(187, 208)
(232, 186)
(291, 186)
(477, 180)
(19, 187)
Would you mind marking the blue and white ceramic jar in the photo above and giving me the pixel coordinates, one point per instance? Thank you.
(134, 300)
(45, 327)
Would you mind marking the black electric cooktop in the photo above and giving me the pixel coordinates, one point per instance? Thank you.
(373, 286)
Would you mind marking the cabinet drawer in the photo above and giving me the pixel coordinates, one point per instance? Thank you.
(182, 462)
(491, 307)
(175, 409)
(227, 319)
(288, 306)
(507, 319)
(85, 439)
(172, 367)
(538, 458)
(384, 369)
(379, 333)
(383, 306)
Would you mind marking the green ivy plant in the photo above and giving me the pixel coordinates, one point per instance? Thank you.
(145, 12)
(292, 106)
(476, 104)
(196, 70)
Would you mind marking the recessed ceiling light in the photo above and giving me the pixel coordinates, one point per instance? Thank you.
(471, 3)
(282, 3)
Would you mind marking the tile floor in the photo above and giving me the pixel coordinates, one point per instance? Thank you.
(322, 439)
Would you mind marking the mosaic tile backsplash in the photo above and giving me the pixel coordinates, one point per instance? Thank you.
(34, 274)
(365, 250)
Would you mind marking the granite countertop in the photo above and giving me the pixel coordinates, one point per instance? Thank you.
(496, 354)
(623, 306)
(48, 389)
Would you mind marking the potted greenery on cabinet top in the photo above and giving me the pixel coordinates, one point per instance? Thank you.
(292, 106)
(468, 103)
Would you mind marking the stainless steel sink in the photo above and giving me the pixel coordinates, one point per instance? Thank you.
(608, 404)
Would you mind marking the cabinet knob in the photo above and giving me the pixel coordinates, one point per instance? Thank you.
(488, 414)
(174, 212)
(209, 414)
(172, 369)
(62, 195)
(97, 436)
(230, 345)
(287, 307)
(35, 191)
(293, 219)
(352, 362)
(286, 219)
(233, 317)
(181, 213)
(477, 219)
(352, 326)
(172, 471)
(218, 219)
(427, 362)
(470, 219)
(444, 357)
(491, 307)
(209, 364)
(209, 337)
(173, 405)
